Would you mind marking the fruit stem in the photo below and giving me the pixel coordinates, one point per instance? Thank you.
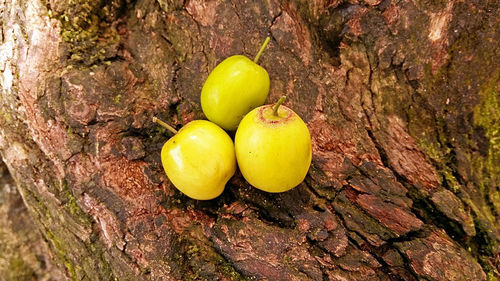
(277, 105)
(257, 57)
(165, 125)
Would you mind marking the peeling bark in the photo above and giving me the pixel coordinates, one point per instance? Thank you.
(401, 98)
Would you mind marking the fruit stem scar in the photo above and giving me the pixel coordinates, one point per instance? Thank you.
(165, 125)
(257, 57)
(277, 105)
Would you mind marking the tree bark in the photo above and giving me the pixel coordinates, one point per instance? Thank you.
(23, 253)
(401, 99)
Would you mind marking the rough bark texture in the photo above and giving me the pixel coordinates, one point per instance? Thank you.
(401, 98)
(23, 253)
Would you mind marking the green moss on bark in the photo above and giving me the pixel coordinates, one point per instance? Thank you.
(440, 156)
(169, 5)
(72, 207)
(19, 270)
(57, 228)
(60, 251)
(197, 259)
(89, 30)
(487, 116)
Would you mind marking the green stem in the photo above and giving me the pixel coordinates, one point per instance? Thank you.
(165, 125)
(257, 57)
(277, 105)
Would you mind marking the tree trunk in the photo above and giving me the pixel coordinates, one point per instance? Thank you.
(401, 99)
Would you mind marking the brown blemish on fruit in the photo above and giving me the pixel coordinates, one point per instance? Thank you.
(286, 119)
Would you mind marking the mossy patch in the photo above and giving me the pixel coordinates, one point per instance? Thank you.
(56, 230)
(487, 116)
(197, 259)
(169, 5)
(19, 270)
(87, 28)
(117, 99)
(70, 204)
(492, 277)
(485, 167)
(440, 156)
(60, 251)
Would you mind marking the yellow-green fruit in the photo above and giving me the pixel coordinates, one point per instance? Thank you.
(235, 86)
(273, 151)
(199, 159)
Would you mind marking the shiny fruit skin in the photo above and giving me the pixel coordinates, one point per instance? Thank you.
(199, 159)
(273, 152)
(235, 86)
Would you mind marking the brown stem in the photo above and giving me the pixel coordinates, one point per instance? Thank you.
(165, 125)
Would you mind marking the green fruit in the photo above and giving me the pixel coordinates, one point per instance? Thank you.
(273, 148)
(235, 86)
(199, 159)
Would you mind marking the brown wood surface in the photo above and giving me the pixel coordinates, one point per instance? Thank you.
(401, 99)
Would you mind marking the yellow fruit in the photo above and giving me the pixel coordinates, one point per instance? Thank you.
(273, 150)
(235, 86)
(199, 159)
